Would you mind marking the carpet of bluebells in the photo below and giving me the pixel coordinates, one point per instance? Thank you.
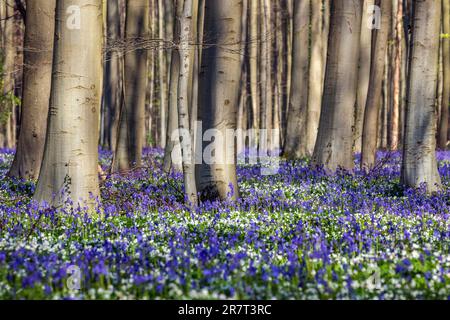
(300, 234)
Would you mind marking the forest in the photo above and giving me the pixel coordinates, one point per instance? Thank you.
(224, 149)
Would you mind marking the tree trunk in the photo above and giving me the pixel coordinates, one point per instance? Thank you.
(132, 118)
(374, 98)
(9, 56)
(112, 75)
(295, 144)
(443, 128)
(171, 151)
(162, 75)
(419, 157)
(184, 9)
(38, 55)
(219, 94)
(365, 50)
(316, 75)
(253, 64)
(70, 163)
(334, 146)
(397, 81)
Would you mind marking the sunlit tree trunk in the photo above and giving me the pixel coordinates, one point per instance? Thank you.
(373, 103)
(397, 81)
(131, 137)
(419, 157)
(71, 155)
(38, 56)
(218, 95)
(184, 12)
(334, 146)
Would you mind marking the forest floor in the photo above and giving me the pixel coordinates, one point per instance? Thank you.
(301, 234)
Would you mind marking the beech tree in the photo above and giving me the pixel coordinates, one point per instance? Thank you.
(419, 157)
(38, 57)
(69, 166)
(334, 146)
(131, 135)
(220, 73)
(373, 102)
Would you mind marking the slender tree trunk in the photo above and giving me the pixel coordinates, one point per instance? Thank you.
(70, 163)
(316, 75)
(9, 56)
(254, 40)
(377, 70)
(186, 138)
(443, 128)
(295, 144)
(419, 157)
(363, 75)
(334, 146)
(171, 158)
(112, 75)
(219, 93)
(162, 75)
(397, 78)
(132, 118)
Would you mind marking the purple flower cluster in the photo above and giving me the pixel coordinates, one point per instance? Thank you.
(300, 234)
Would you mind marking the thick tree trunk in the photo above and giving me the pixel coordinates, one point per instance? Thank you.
(363, 75)
(443, 127)
(38, 56)
(334, 146)
(374, 98)
(219, 94)
(419, 157)
(132, 118)
(70, 163)
(295, 145)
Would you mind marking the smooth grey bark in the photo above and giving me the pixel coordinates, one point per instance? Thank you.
(37, 72)
(419, 157)
(131, 135)
(363, 75)
(219, 94)
(445, 104)
(171, 150)
(70, 163)
(373, 103)
(184, 10)
(334, 146)
(295, 144)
